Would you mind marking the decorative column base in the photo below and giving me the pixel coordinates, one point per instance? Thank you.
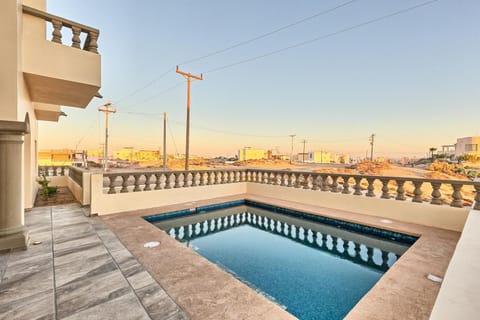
(13, 233)
(17, 240)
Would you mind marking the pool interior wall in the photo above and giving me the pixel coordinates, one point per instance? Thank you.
(313, 273)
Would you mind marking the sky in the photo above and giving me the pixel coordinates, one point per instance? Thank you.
(412, 79)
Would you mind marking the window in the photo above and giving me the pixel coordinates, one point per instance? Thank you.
(471, 147)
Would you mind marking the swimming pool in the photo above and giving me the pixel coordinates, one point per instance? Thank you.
(314, 267)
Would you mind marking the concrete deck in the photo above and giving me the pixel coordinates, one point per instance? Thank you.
(207, 292)
(97, 268)
(80, 270)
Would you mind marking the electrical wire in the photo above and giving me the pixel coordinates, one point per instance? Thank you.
(322, 37)
(264, 35)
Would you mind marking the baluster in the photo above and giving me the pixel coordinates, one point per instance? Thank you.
(76, 37)
(92, 44)
(417, 192)
(334, 186)
(111, 189)
(476, 206)
(186, 179)
(219, 178)
(124, 183)
(385, 193)
(400, 190)
(358, 186)
(137, 182)
(315, 183)
(299, 180)
(177, 180)
(203, 178)
(346, 185)
(57, 34)
(158, 181)
(148, 176)
(436, 195)
(457, 195)
(371, 188)
(291, 178)
(306, 183)
(324, 185)
(168, 178)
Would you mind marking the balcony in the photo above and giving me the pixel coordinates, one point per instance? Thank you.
(58, 74)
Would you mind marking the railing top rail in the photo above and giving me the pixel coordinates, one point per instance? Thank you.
(133, 172)
(50, 17)
(335, 174)
(365, 176)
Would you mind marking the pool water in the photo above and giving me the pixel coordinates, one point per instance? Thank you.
(313, 270)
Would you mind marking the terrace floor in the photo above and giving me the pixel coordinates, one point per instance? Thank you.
(98, 268)
(79, 270)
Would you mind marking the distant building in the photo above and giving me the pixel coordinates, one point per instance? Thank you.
(58, 157)
(248, 153)
(127, 153)
(467, 145)
(148, 155)
(317, 157)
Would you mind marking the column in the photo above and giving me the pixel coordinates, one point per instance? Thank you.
(13, 233)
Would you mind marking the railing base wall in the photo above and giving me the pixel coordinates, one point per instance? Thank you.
(82, 194)
(444, 217)
(461, 286)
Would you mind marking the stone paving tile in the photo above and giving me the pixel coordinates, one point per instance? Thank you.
(101, 285)
(158, 304)
(37, 306)
(124, 307)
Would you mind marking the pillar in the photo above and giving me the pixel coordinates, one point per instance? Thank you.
(13, 233)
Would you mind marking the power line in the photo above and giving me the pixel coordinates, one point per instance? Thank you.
(264, 35)
(156, 95)
(322, 37)
(238, 44)
(134, 92)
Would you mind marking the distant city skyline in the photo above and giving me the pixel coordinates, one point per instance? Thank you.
(412, 79)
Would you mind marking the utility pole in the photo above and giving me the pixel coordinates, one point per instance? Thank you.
(106, 110)
(164, 141)
(303, 154)
(291, 148)
(372, 140)
(188, 76)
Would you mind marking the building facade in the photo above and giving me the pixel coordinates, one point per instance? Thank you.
(38, 75)
(248, 153)
(467, 145)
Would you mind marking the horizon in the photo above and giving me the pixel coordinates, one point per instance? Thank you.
(333, 93)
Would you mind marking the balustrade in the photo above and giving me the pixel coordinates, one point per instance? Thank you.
(390, 187)
(90, 43)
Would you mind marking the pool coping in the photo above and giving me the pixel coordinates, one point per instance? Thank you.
(403, 291)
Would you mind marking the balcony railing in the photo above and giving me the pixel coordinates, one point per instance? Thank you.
(53, 171)
(421, 190)
(90, 43)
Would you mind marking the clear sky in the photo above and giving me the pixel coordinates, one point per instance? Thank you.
(412, 79)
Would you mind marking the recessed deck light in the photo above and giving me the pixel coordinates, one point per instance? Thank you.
(151, 244)
(386, 221)
(434, 278)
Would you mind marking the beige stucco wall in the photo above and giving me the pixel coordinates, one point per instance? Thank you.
(460, 291)
(82, 194)
(444, 217)
(15, 101)
(111, 203)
